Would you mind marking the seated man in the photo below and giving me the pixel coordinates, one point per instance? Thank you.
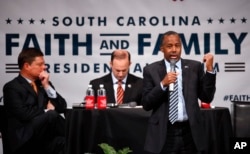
(33, 108)
(130, 85)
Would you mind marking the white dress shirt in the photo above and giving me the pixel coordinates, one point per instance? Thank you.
(115, 85)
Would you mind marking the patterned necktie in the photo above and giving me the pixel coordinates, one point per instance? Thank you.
(120, 93)
(173, 106)
(33, 84)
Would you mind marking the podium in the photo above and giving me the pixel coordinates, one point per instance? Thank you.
(241, 118)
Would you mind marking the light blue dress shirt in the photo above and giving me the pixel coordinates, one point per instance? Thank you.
(49, 91)
(182, 114)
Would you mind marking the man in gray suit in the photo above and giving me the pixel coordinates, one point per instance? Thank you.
(131, 84)
(184, 135)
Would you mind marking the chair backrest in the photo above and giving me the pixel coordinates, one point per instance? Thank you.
(3, 129)
(1, 117)
(240, 118)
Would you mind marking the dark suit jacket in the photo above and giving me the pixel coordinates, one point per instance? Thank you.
(196, 85)
(133, 90)
(23, 105)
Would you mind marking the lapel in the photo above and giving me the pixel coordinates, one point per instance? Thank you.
(40, 93)
(185, 75)
(128, 88)
(162, 69)
(26, 85)
(108, 85)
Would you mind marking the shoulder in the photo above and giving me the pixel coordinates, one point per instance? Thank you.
(134, 77)
(190, 62)
(13, 82)
(155, 65)
(101, 79)
(192, 65)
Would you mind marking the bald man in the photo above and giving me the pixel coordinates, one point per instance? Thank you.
(131, 84)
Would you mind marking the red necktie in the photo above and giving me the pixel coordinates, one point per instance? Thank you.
(120, 93)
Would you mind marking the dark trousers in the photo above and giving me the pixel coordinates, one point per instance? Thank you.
(179, 139)
(48, 136)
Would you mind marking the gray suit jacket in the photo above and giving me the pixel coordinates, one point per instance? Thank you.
(133, 90)
(196, 85)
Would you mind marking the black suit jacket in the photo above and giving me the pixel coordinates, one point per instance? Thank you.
(133, 90)
(196, 85)
(22, 105)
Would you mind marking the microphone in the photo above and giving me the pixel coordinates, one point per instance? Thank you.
(172, 69)
(127, 105)
(79, 105)
(82, 105)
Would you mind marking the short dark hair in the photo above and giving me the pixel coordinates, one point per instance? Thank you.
(28, 55)
(121, 55)
(167, 34)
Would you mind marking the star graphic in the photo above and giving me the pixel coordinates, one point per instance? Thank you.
(8, 21)
(20, 21)
(221, 20)
(31, 21)
(243, 20)
(232, 20)
(210, 20)
(42, 21)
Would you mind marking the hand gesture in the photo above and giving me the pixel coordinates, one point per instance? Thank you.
(44, 77)
(208, 59)
(170, 77)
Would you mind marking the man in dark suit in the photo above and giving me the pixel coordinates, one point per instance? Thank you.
(184, 134)
(33, 107)
(131, 85)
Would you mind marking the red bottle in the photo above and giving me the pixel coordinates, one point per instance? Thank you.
(90, 98)
(101, 98)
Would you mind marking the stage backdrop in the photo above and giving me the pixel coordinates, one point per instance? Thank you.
(78, 36)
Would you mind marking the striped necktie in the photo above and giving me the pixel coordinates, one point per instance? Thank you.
(173, 106)
(120, 93)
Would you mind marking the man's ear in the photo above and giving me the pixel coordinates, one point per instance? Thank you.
(26, 66)
(161, 49)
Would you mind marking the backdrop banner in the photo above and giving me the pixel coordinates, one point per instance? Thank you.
(78, 36)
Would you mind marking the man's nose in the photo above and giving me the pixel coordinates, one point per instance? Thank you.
(174, 49)
(120, 74)
(44, 67)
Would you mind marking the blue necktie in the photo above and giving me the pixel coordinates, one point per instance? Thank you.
(173, 106)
